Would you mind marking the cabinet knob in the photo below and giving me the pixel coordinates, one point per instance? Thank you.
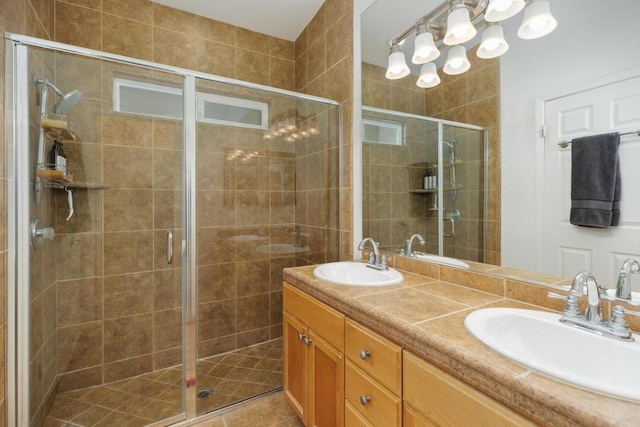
(307, 341)
(365, 399)
(300, 336)
(364, 354)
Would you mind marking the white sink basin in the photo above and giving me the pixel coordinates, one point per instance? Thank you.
(539, 341)
(356, 274)
(441, 260)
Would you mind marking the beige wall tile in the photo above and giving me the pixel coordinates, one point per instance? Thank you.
(127, 337)
(126, 37)
(79, 346)
(126, 369)
(128, 294)
(216, 58)
(78, 301)
(252, 66)
(78, 26)
(174, 19)
(216, 31)
(126, 167)
(167, 289)
(173, 48)
(125, 129)
(253, 312)
(216, 319)
(128, 252)
(78, 255)
(216, 282)
(167, 329)
(127, 210)
(138, 10)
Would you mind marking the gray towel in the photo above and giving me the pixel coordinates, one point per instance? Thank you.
(595, 181)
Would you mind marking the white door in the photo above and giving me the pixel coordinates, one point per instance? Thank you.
(568, 249)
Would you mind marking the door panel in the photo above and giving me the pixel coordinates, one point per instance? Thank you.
(569, 249)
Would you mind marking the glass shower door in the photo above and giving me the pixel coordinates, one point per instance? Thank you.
(105, 294)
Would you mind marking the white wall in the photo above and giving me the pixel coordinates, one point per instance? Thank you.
(594, 38)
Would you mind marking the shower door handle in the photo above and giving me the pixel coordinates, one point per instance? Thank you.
(169, 247)
(453, 227)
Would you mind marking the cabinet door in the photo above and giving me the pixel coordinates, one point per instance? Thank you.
(296, 379)
(413, 418)
(352, 418)
(326, 384)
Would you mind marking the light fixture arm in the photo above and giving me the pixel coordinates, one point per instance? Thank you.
(437, 19)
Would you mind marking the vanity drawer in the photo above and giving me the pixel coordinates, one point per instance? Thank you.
(445, 400)
(324, 320)
(353, 418)
(375, 355)
(381, 407)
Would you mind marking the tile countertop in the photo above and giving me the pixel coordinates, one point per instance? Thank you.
(425, 314)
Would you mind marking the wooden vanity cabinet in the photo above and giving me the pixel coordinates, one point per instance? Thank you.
(313, 341)
(434, 398)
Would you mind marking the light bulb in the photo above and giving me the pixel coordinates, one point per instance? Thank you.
(459, 26)
(538, 20)
(499, 10)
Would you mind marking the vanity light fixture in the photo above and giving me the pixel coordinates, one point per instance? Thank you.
(459, 26)
(397, 67)
(457, 62)
(499, 10)
(455, 22)
(538, 20)
(425, 49)
(428, 76)
(493, 43)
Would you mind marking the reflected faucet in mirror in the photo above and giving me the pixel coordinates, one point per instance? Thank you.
(409, 251)
(623, 290)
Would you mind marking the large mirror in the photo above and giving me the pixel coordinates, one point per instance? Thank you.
(582, 79)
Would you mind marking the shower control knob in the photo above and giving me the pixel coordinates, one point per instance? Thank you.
(39, 233)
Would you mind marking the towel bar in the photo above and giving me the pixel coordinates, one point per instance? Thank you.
(565, 143)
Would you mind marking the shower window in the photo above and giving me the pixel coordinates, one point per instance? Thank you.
(156, 100)
(383, 131)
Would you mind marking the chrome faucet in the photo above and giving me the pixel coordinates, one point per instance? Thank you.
(375, 260)
(584, 284)
(623, 290)
(409, 251)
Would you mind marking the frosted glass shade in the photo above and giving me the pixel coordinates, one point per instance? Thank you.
(459, 27)
(537, 21)
(499, 10)
(457, 62)
(428, 76)
(425, 49)
(397, 67)
(493, 43)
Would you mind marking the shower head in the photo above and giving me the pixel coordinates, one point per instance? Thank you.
(67, 100)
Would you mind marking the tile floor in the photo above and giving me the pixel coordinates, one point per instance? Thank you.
(147, 398)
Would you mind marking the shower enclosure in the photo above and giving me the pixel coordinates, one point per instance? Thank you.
(428, 176)
(145, 269)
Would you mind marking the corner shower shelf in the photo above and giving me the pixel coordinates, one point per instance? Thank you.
(57, 129)
(434, 190)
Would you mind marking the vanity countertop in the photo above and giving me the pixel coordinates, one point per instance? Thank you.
(425, 314)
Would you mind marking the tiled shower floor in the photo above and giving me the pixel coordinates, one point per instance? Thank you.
(147, 398)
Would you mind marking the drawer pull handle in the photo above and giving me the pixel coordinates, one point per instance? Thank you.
(364, 354)
(365, 399)
(307, 341)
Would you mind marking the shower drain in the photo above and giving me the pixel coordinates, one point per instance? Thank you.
(204, 393)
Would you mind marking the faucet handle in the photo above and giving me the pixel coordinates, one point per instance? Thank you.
(571, 309)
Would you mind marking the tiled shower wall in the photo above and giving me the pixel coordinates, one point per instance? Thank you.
(472, 97)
